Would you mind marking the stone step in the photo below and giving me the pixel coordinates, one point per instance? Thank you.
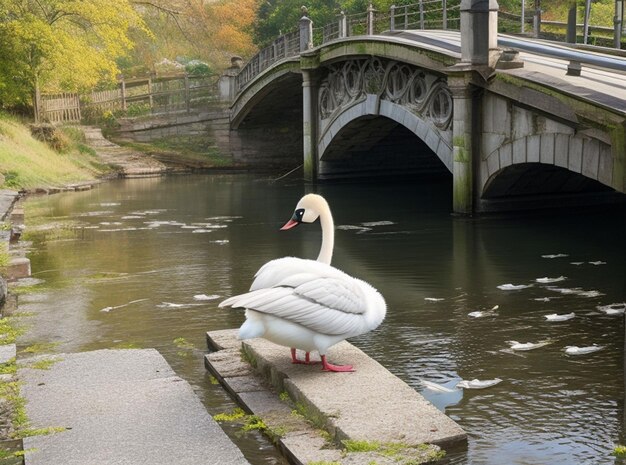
(370, 404)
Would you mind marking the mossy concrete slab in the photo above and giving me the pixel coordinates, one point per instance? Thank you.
(120, 407)
(370, 405)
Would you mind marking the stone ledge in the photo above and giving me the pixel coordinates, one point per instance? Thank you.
(370, 404)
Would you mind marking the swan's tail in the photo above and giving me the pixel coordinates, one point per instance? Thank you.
(252, 327)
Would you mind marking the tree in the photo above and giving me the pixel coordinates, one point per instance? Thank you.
(211, 31)
(277, 17)
(56, 45)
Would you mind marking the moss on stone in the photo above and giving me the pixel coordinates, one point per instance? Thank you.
(44, 364)
(236, 414)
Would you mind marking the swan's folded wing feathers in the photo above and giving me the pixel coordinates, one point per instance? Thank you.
(288, 303)
(255, 298)
(339, 294)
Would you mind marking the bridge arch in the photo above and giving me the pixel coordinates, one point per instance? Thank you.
(567, 162)
(264, 87)
(439, 142)
(375, 87)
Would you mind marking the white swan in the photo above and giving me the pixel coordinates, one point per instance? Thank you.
(308, 304)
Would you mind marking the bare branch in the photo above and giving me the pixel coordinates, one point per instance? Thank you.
(158, 7)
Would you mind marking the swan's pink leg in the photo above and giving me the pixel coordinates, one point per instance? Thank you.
(294, 359)
(336, 368)
(307, 358)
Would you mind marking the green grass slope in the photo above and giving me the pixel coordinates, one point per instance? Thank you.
(27, 163)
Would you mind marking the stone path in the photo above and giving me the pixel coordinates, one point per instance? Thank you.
(119, 407)
(131, 164)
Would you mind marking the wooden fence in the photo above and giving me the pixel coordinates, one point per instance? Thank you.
(59, 108)
(165, 94)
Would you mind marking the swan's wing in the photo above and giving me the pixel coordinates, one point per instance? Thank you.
(276, 272)
(325, 305)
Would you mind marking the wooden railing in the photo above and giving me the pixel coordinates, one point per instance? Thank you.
(150, 95)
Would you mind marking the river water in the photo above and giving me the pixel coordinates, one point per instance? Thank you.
(121, 266)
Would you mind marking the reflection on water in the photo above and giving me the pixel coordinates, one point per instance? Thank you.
(144, 262)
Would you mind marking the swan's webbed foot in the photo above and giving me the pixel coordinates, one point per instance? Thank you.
(335, 368)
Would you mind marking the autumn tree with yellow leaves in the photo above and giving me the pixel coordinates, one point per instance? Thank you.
(62, 45)
(72, 45)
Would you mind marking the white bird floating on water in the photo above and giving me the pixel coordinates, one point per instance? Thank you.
(513, 287)
(206, 297)
(613, 309)
(575, 350)
(478, 384)
(484, 313)
(555, 255)
(307, 304)
(597, 262)
(550, 280)
(436, 387)
(561, 317)
(526, 345)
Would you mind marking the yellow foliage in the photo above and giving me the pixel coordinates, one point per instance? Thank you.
(69, 44)
(232, 21)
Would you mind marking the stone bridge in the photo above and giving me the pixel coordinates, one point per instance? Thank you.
(502, 123)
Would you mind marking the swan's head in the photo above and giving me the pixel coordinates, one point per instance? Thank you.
(309, 208)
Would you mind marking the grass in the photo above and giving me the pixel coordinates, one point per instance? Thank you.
(9, 331)
(40, 348)
(619, 451)
(8, 368)
(27, 163)
(235, 415)
(403, 454)
(44, 364)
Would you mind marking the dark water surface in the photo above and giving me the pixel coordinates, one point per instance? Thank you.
(123, 263)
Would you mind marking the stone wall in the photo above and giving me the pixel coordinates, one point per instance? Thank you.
(268, 144)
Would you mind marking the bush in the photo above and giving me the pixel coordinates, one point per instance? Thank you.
(197, 68)
(52, 136)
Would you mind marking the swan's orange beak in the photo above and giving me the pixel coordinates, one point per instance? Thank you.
(290, 224)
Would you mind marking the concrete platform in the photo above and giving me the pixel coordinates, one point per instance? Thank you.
(120, 407)
(370, 404)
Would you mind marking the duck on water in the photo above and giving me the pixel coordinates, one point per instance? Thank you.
(309, 304)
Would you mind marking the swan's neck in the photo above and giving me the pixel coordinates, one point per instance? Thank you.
(328, 237)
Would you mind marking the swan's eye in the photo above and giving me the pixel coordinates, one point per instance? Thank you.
(299, 213)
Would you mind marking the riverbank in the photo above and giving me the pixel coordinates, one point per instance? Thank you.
(53, 406)
(46, 158)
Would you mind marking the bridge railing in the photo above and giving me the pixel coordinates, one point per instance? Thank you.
(429, 14)
(424, 14)
(285, 46)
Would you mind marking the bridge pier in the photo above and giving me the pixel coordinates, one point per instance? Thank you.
(309, 124)
(463, 143)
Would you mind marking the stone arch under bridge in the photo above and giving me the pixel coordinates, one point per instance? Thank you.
(409, 95)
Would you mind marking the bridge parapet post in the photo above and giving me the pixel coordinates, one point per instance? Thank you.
(306, 31)
(370, 19)
(343, 25)
(479, 32)
(226, 83)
